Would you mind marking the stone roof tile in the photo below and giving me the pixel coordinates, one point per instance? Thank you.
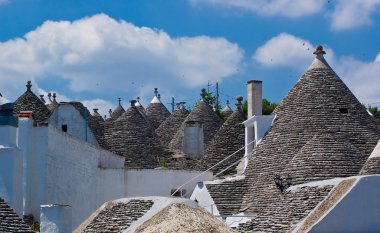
(10, 222)
(201, 113)
(319, 103)
(228, 140)
(30, 102)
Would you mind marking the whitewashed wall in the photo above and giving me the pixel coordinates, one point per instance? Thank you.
(33, 143)
(358, 211)
(72, 175)
(66, 114)
(160, 182)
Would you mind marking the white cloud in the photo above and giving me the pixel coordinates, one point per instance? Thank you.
(3, 1)
(352, 13)
(102, 105)
(285, 50)
(99, 54)
(362, 77)
(285, 8)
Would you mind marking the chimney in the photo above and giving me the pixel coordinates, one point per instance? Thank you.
(193, 142)
(254, 98)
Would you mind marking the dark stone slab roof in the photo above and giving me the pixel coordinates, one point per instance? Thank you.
(10, 222)
(319, 103)
(117, 217)
(325, 157)
(229, 138)
(119, 110)
(228, 195)
(372, 166)
(287, 210)
(227, 111)
(157, 113)
(30, 102)
(171, 125)
(95, 123)
(211, 124)
(130, 136)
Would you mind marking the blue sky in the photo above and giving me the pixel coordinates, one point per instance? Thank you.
(96, 51)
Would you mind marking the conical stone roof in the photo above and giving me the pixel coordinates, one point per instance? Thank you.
(10, 221)
(134, 139)
(156, 112)
(119, 110)
(324, 157)
(318, 103)
(171, 125)
(372, 165)
(227, 111)
(201, 113)
(30, 102)
(228, 139)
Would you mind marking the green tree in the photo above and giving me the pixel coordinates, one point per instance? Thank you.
(268, 107)
(374, 111)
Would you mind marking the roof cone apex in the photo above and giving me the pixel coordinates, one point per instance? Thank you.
(155, 100)
(319, 61)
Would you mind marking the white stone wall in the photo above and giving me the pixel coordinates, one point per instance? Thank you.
(66, 114)
(157, 182)
(11, 177)
(358, 211)
(72, 169)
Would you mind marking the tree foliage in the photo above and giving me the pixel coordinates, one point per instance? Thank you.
(268, 107)
(375, 112)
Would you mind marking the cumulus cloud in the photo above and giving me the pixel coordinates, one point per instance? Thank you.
(285, 8)
(353, 13)
(102, 105)
(285, 50)
(99, 54)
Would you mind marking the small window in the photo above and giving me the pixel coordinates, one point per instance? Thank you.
(343, 110)
(179, 193)
(64, 128)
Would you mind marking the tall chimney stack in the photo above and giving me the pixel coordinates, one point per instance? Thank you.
(254, 98)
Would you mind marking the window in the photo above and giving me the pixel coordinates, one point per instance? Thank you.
(64, 128)
(343, 110)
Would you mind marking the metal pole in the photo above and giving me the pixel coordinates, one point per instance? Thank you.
(217, 97)
(173, 103)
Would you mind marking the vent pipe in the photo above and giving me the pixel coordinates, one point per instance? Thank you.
(254, 98)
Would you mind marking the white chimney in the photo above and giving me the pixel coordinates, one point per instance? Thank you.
(193, 141)
(254, 98)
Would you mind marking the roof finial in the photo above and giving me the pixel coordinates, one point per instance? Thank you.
(319, 51)
(203, 94)
(228, 103)
(29, 86)
(159, 96)
(138, 99)
(54, 96)
(133, 102)
(182, 105)
(155, 91)
(41, 97)
(110, 112)
(119, 99)
(96, 110)
(239, 103)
